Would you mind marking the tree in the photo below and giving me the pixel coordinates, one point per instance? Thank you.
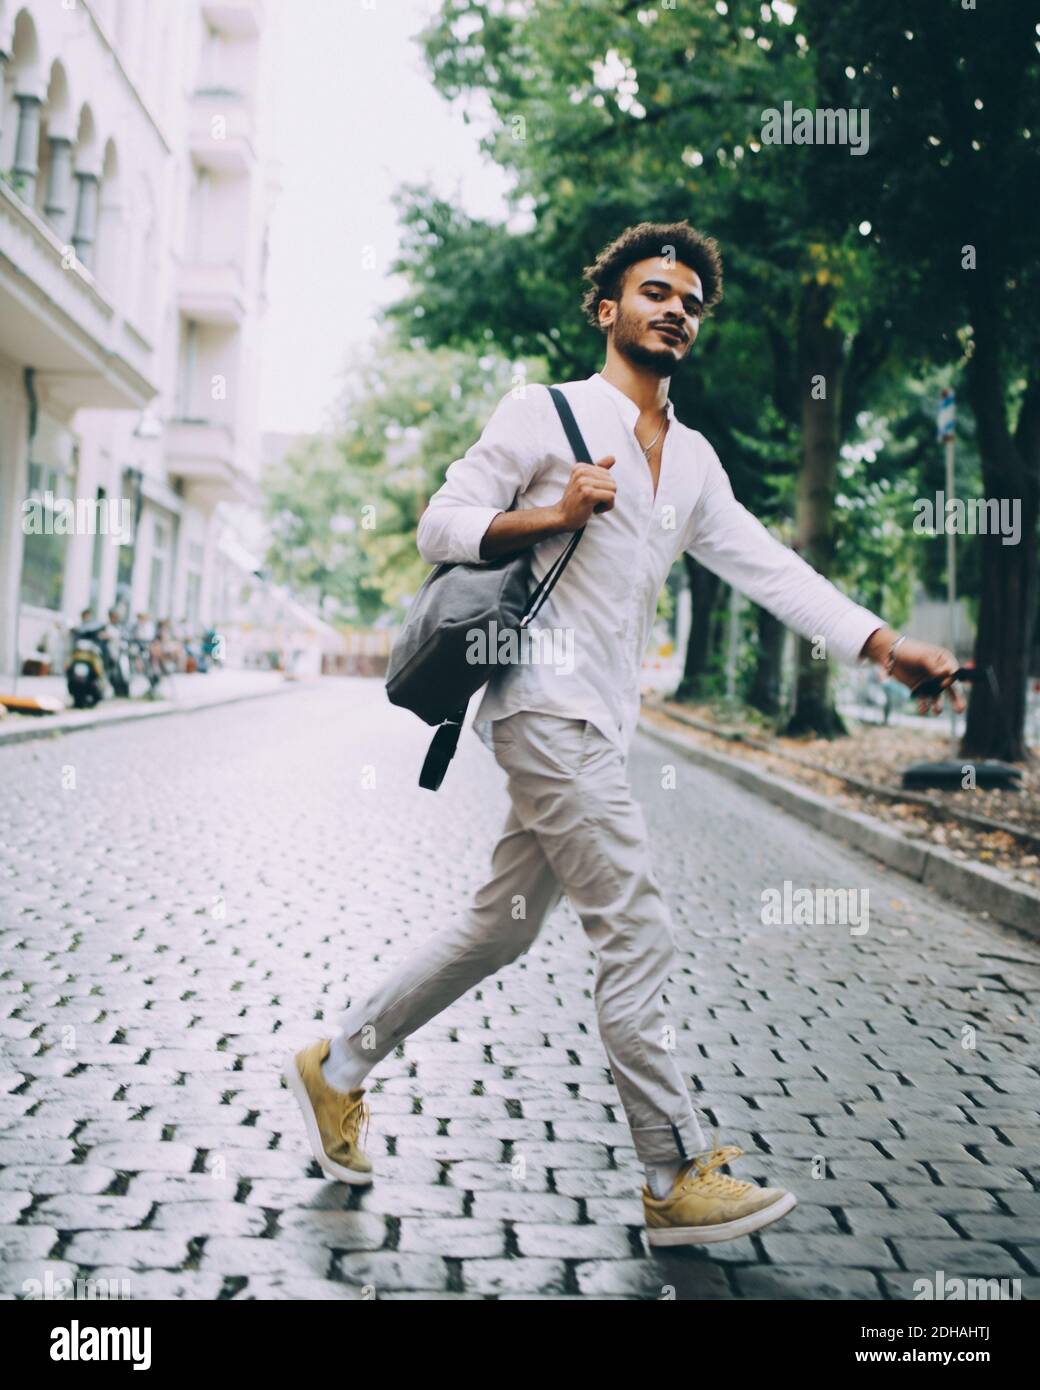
(344, 510)
(703, 648)
(954, 92)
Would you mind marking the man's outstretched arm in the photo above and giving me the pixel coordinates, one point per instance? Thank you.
(730, 541)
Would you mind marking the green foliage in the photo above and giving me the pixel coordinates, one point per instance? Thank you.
(343, 511)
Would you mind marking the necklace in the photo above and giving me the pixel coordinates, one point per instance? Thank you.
(649, 447)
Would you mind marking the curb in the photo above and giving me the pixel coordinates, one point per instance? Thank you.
(42, 728)
(965, 882)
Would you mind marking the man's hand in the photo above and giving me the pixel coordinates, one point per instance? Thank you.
(590, 488)
(916, 662)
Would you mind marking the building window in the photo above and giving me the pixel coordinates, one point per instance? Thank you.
(53, 462)
(211, 65)
(131, 491)
(157, 575)
(186, 368)
(193, 588)
(100, 542)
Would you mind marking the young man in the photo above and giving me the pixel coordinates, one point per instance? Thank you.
(562, 735)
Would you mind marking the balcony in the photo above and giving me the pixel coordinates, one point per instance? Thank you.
(203, 454)
(242, 19)
(220, 131)
(212, 293)
(56, 320)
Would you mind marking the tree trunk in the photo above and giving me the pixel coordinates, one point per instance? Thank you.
(995, 726)
(704, 593)
(820, 354)
(764, 694)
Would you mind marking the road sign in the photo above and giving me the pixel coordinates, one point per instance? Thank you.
(946, 417)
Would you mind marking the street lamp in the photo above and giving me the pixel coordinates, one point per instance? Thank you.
(149, 425)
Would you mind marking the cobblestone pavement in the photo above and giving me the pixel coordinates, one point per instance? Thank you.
(183, 901)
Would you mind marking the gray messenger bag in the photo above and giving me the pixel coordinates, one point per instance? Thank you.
(431, 669)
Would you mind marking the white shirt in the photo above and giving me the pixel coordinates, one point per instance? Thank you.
(599, 617)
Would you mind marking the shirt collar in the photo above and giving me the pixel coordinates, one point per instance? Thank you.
(628, 408)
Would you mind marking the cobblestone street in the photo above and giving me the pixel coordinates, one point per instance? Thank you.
(184, 900)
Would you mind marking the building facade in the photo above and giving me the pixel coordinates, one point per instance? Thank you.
(135, 196)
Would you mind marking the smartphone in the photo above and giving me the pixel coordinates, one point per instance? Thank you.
(934, 684)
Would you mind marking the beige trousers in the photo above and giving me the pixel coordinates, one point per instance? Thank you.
(573, 829)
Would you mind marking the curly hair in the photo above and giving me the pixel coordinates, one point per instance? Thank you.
(607, 272)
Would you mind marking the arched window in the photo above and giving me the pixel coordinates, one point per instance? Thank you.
(109, 256)
(144, 265)
(86, 165)
(21, 119)
(56, 191)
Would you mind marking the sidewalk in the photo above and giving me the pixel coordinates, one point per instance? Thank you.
(187, 692)
(988, 873)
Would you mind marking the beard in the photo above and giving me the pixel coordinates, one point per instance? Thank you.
(628, 332)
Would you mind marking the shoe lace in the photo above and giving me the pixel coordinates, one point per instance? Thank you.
(707, 1180)
(354, 1112)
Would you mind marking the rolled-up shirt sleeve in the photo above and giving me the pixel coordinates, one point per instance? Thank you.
(485, 481)
(731, 542)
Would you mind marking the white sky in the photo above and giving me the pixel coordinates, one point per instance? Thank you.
(355, 117)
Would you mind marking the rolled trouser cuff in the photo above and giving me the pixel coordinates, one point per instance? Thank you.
(660, 1145)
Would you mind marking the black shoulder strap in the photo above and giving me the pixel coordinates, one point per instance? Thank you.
(570, 425)
(581, 455)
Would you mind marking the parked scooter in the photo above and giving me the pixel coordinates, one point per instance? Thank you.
(86, 675)
(118, 665)
(144, 661)
(212, 649)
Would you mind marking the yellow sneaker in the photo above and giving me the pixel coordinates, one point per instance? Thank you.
(705, 1205)
(333, 1118)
